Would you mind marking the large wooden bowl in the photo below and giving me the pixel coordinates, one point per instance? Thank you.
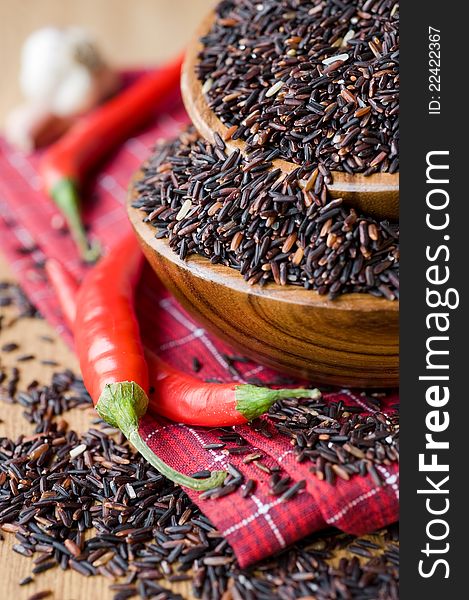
(377, 195)
(350, 341)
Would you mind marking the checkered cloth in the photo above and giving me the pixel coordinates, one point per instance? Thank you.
(255, 527)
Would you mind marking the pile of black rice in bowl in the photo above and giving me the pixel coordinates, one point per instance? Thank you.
(315, 80)
(315, 83)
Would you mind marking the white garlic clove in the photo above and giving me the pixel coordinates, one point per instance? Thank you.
(73, 92)
(63, 70)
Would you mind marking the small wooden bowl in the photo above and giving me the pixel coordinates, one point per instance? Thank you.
(377, 195)
(351, 341)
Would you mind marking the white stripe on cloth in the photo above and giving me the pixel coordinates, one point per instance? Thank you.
(284, 455)
(253, 371)
(352, 504)
(136, 147)
(359, 401)
(19, 162)
(168, 305)
(262, 511)
(110, 184)
(184, 340)
(391, 479)
(217, 456)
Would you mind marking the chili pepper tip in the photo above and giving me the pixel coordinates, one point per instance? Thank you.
(121, 405)
(253, 401)
(65, 195)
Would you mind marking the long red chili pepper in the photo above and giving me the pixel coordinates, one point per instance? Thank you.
(67, 162)
(66, 289)
(111, 354)
(177, 395)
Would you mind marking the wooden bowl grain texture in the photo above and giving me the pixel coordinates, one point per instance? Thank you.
(377, 195)
(350, 341)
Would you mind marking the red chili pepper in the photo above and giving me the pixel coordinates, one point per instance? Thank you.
(65, 287)
(186, 399)
(111, 354)
(67, 162)
(176, 395)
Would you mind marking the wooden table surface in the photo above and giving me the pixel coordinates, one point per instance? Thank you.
(131, 32)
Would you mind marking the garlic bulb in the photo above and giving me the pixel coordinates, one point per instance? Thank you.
(63, 70)
(30, 126)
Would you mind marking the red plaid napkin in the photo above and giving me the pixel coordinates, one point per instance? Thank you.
(255, 527)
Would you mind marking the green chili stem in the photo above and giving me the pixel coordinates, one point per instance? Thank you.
(66, 197)
(121, 405)
(253, 401)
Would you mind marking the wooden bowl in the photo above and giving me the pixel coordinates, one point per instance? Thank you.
(350, 341)
(377, 195)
